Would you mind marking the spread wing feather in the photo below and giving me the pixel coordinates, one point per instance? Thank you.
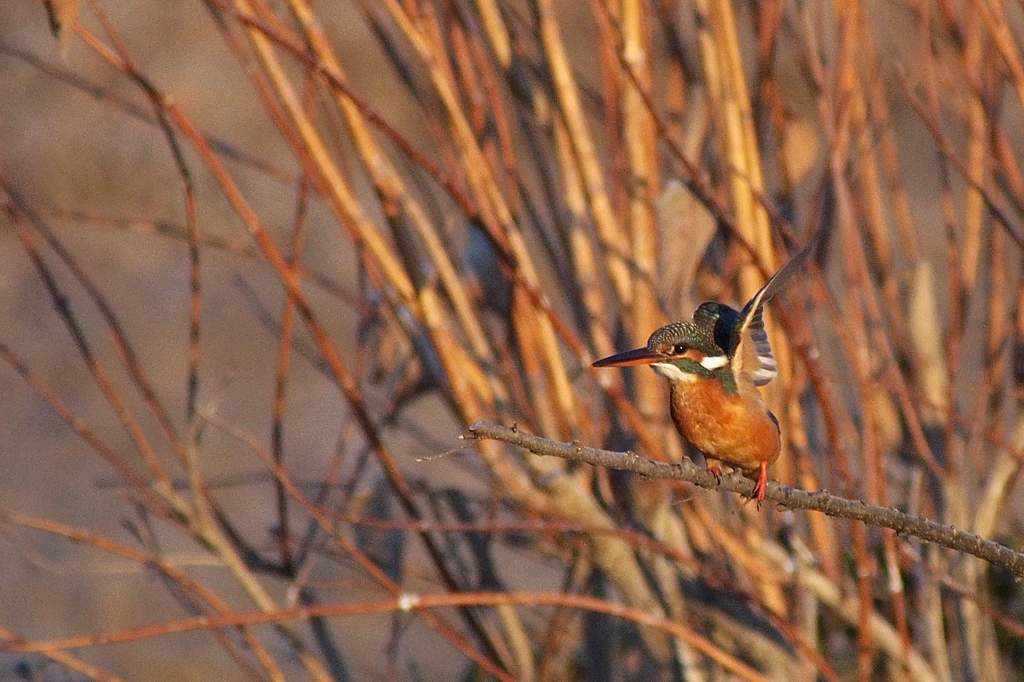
(751, 356)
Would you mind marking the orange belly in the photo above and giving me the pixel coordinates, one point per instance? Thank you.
(734, 428)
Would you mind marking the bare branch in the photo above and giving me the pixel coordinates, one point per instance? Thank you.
(791, 498)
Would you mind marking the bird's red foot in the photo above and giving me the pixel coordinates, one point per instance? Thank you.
(761, 487)
(716, 471)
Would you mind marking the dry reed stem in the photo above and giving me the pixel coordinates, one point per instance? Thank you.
(546, 166)
(495, 208)
(70, 661)
(394, 195)
(642, 186)
(351, 549)
(98, 370)
(115, 101)
(405, 602)
(173, 231)
(284, 353)
(613, 237)
(572, 503)
(182, 580)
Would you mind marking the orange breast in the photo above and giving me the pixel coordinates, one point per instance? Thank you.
(734, 428)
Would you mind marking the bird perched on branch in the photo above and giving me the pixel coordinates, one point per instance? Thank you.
(715, 364)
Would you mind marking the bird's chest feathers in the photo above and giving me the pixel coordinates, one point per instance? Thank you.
(733, 427)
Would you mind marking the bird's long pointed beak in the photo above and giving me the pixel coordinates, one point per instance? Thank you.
(629, 358)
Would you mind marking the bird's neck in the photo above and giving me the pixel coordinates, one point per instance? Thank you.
(720, 379)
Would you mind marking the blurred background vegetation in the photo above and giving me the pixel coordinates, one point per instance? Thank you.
(265, 259)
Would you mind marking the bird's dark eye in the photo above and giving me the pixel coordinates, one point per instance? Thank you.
(679, 349)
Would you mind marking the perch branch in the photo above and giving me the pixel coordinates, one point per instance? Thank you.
(792, 498)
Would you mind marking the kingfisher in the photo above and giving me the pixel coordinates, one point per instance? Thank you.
(715, 364)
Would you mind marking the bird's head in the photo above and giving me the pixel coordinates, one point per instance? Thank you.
(682, 351)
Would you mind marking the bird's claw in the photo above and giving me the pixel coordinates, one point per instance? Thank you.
(758, 494)
(761, 487)
(716, 471)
